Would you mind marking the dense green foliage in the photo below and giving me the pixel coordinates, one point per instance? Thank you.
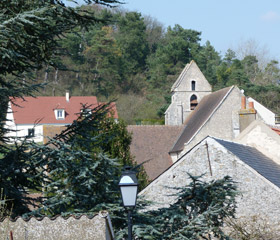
(82, 165)
(29, 39)
(136, 60)
(122, 53)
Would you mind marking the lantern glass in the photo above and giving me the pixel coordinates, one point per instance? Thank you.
(129, 194)
(128, 186)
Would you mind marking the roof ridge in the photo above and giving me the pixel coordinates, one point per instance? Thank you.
(27, 219)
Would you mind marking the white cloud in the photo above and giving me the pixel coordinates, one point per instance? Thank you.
(270, 16)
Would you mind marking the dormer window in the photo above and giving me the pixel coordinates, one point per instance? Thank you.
(59, 114)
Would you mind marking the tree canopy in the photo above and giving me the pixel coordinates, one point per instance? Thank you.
(129, 54)
(199, 210)
(29, 39)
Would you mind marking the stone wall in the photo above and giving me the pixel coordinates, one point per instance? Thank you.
(224, 123)
(259, 197)
(95, 228)
(49, 131)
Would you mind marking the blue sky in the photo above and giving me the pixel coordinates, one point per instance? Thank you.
(225, 23)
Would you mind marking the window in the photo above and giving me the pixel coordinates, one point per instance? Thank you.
(193, 101)
(31, 132)
(193, 85)
(59, 114)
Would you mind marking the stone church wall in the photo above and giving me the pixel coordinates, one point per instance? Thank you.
(224, 123)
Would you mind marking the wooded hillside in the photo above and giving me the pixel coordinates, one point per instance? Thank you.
(135, 60)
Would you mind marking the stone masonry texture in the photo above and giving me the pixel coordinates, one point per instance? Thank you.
(56, 229)
(258, 196)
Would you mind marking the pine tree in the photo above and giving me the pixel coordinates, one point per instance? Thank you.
(198, 212)
(29, 34)
(82, 165)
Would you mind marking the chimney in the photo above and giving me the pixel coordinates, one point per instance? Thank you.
(243, 102)
(246, 115)
(67, 96)
(251, 106)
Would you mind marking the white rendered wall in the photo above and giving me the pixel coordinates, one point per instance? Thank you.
(261, 137)
(21, 130)
(267, 116)
(10, 123)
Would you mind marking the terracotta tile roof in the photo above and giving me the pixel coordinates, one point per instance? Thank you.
(31, 110)
(200, 116)
(113, 109)
(153, 142)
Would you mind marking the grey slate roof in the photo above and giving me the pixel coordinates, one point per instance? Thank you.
(255, 159)
(199, 117)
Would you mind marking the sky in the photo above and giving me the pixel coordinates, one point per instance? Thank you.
(234, 24)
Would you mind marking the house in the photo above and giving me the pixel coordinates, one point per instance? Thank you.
(223, 114)
(262, 137)
(269, 117)
(216, 115)
(256, 175)
(32, 117)
(226, 133)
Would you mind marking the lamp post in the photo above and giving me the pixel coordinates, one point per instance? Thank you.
(128, 186)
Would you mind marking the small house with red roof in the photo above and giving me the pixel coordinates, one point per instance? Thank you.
(27, 117)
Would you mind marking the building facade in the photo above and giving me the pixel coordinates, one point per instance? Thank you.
(188, 90)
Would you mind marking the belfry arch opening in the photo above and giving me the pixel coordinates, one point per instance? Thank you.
(193, 102)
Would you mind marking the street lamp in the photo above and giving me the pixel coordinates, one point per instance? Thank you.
(128, 186)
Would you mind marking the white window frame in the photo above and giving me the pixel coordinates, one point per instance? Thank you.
(59, 114)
